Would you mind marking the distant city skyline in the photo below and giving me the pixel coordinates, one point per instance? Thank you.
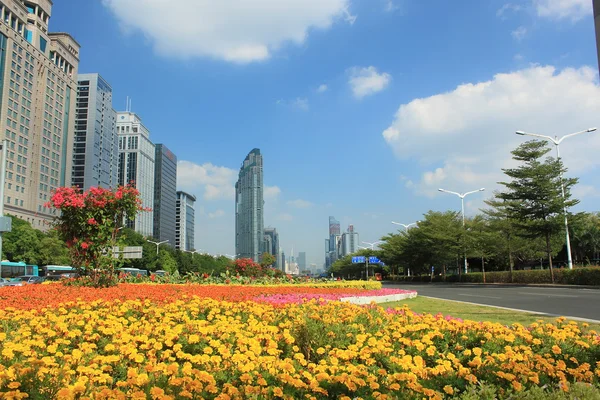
(364, 132)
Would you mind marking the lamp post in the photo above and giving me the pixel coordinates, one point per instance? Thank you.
(157, 244)
(556, 142)
(462, 202)
(406, 226)
(233, 257)
(373, 244)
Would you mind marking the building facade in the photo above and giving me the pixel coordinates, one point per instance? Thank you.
(184, 221)
(272, 245)
(302, 261)
(331, 253)
(136, 166)
(165, 194)
(350, 241)
(96, 147)
(38, 72)
(249, 207)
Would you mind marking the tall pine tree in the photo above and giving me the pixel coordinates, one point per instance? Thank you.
(533, 196)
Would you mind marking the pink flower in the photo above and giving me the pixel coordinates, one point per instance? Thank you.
(92, 221)
(84, 245)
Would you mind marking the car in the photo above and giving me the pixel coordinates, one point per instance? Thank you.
(160, 272)
(28, 279)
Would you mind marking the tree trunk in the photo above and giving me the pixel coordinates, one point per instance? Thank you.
(483, 268)
(511, 262)
(549, 251)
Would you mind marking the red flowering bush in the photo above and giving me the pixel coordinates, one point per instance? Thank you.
(247, 267)
(89, 222)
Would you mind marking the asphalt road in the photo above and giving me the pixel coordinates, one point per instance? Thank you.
(582, 303)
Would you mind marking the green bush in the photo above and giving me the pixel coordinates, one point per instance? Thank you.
(562, 276)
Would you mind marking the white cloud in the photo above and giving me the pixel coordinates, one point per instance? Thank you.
(216, 214)
(563, 9)
(464, 137)
(230, 30)
(300, 103)
(519, 33)
(507, 7)
(299, 203)
(322, 88)
(216, 182)
(518, 57)
(367, 81)
(285, 217)
(390, 6)
(271, 192)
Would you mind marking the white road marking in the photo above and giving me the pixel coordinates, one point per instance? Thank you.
(548, 295)
(474, 295)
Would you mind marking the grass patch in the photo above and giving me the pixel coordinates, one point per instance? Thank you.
(472, 312)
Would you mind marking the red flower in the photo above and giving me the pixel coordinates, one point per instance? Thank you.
(92, 221)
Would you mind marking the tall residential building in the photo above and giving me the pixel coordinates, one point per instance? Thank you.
(272, 244)
(249, 204)
(38, 72)
(136, 166)
(165, 194)
(349, 243)
(302, 261)
(184, 221)
(96, 147)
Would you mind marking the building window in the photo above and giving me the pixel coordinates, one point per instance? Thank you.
(43, 43)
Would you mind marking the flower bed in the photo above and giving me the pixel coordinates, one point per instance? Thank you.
(211, 342)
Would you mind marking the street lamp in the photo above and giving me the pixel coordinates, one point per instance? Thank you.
(556, 142)
(462, 201)
(373, 244)
(232, 257)
(406, 226)
(157, 244)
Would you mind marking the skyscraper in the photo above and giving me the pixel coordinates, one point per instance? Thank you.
(165, 194)
(349, 243)
(302, 261)
(334, 237)
(38, 91)
(136, 166)
(184, 221)
(272, 244)
(249, 204)
(96, 147)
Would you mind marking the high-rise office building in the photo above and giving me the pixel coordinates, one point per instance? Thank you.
(349, 243)
(331, 253)
(136, 166)
(249, 204)
(302, 261)
(96, 147)
(38, 90)
(272, 244)
(165, 194)
(184, 221)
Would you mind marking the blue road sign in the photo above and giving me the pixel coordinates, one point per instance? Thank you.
(358, 260)
(374, 260)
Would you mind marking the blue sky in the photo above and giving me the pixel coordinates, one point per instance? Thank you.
(362, 108)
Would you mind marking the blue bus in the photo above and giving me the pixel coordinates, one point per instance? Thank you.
(57, 270)
(9, 269)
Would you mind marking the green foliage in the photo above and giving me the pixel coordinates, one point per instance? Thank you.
(22, 243)
(267, 259)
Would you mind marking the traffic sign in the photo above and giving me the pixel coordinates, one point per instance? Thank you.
(374, 260)
(358, 260)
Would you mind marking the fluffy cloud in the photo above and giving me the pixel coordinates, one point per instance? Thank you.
(230, 30)
(299, 203)
(322, 88)
(507, 7)
(215, 182)
(519, 33)
(367, 81)
(301, 103)
(563, 9)
(271, 192)
(216, 214)
(464, 137)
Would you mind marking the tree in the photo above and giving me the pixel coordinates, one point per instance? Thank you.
(21, 243)
(89, 223)
(267, 259)
(52, 251)
(166, 261)
(533, 196)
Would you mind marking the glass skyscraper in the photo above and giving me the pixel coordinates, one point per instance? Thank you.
(96, 148)
(165, 194)
(184, 221)
(249, 208)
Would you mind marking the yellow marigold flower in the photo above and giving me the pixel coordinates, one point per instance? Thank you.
(320, 350)
(193, 339)
(448, 389)
(517, 386)
(556, 349)
(278, 392)
(14, 385)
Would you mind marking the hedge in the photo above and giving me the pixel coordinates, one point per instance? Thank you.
(563, 276)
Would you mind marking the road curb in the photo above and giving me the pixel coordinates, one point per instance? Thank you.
(361, 300)
(550, 285)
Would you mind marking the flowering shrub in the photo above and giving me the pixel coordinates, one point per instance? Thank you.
(177, 343)
(89, 222)
(247, 267)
